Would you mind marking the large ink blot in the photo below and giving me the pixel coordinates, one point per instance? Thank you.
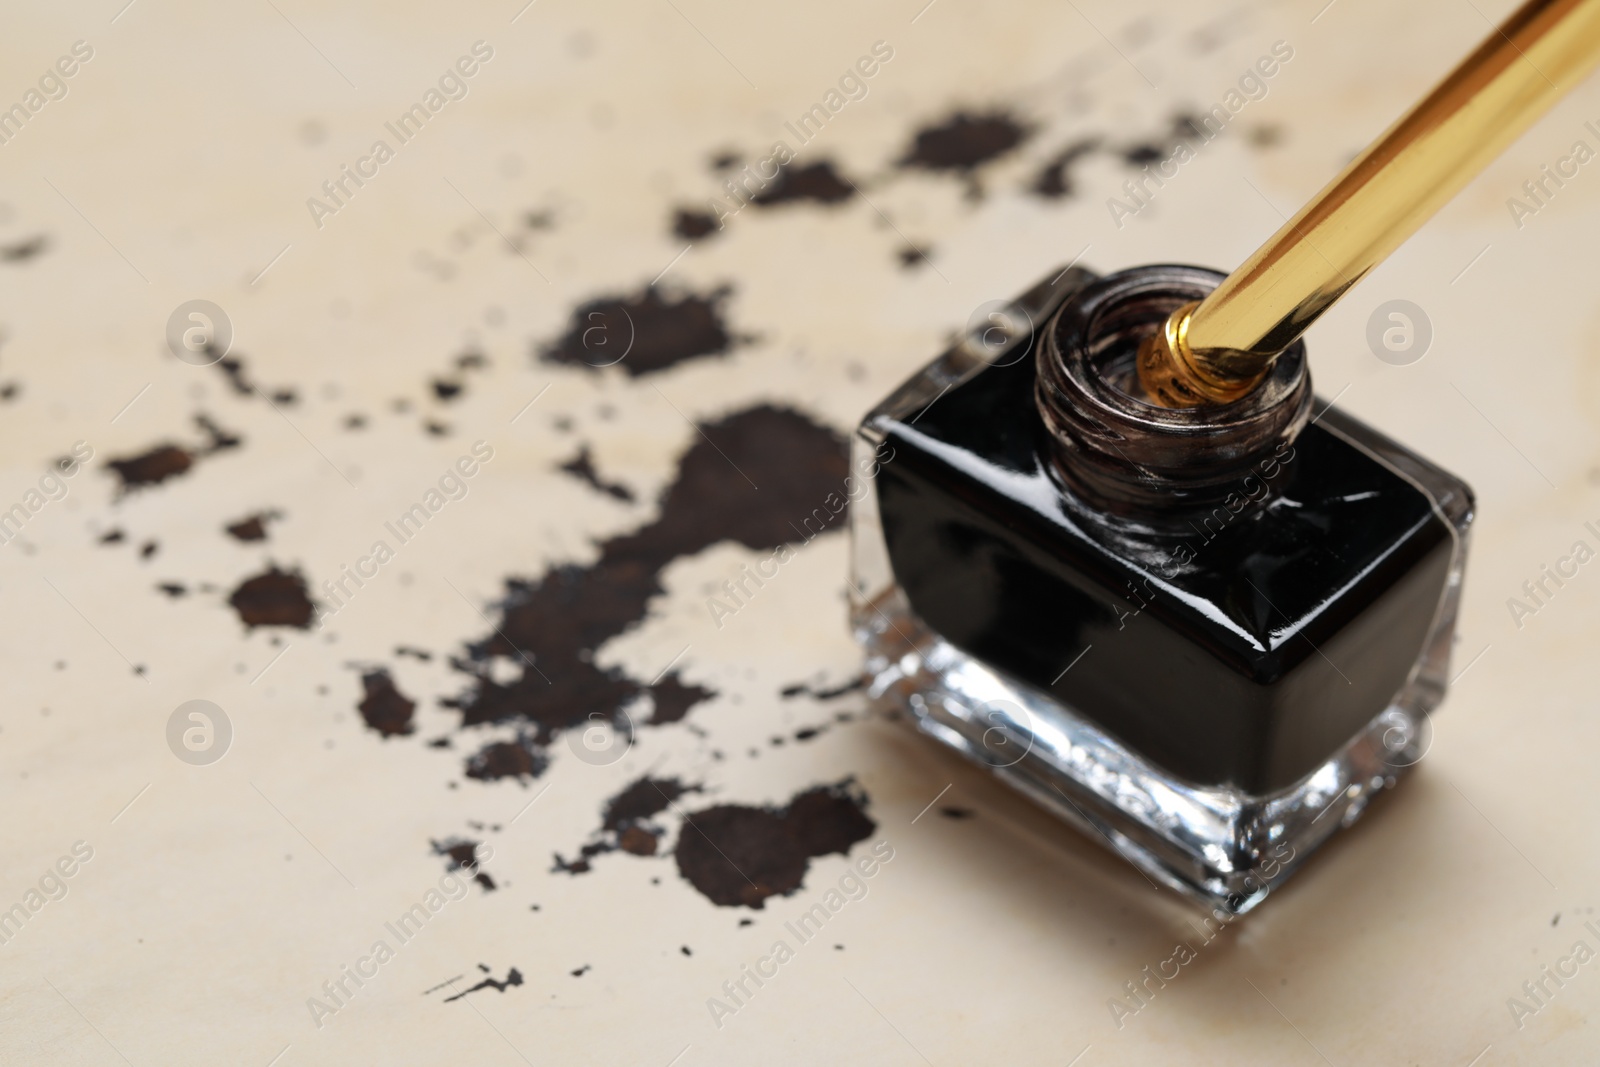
(739, 856)
(818, 183)
(385, 708)
(274, 598)
(645, 333)
(758, 477)
(964, 142)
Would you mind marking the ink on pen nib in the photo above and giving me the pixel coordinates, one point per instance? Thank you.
(1173, 375)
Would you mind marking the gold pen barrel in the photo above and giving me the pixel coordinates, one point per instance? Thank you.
(1218, 350)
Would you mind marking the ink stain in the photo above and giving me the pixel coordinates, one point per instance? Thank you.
(463, 855)
(1142, 155)
(513, 977)
(1054, 180)
(253, 528)
(535, 669)
(956, 813)
(165, 461)
(232, 367)
(152, 467)
(673, 699)
(912, 258)
(519, 758)
(23, 251)
(788, 692)
(738, 856)
(581, 864)
(645, 333)
(383, 707)
(549, 629)
(640, 801)
(445, 389)
(581, 467)
(149, 549)
(113, 537)
(1188, 126)
(817, 183)
(964, 141)
(626, 824)
(693, 225)
(274, 598)
(638, 841)
(173, 589)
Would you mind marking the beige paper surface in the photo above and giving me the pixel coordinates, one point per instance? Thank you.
(220, 898)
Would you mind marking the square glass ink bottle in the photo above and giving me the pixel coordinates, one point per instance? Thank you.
(1205, 636)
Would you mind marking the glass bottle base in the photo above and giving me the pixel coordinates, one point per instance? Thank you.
(1225, 848)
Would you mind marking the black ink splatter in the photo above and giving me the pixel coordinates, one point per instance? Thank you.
(24, 250)
(964, 142)
(1142, 155)
(274, 598)
(738, 856)
(152, 467)
(912, 258)
(164, 461)
(519, 758)
(1054, 180)
(642, 800)
(550, 628)
(513, 977)
(581, 467)
(644, 333)
(463, 856)
(251, 528)
(626, 824)
(232, 368)
(693, 225)
(384, 707)
(802, 689)
(817, 183)
(673, 699)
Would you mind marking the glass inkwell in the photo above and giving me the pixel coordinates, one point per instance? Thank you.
(1117, 553)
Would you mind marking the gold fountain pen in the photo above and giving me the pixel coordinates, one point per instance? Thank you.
(1219, 349)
